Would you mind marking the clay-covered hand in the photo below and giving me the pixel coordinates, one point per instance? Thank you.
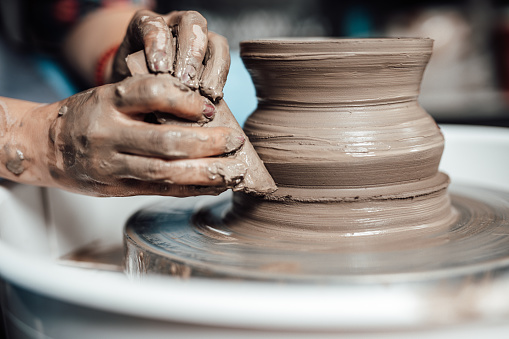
(178, 43)
(100, 144)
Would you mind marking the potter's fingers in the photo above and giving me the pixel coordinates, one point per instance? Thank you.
(202, 172)
(156, 38)
(177, 142)
(191, 30)
(217, 65)
(163, 93)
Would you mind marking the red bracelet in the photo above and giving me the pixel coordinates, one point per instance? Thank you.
(100, 67)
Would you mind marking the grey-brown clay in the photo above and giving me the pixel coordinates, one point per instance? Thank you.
(340, 130)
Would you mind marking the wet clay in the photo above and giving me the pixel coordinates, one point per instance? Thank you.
(196, 239)
(216, 68)
(340, 130)
(179, 44)
(191, 31)
(360, 198)
(14, 161)
(11, 157)
(256, 179)
(99, 144)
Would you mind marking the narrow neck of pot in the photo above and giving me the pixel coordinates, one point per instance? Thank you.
(337, 72)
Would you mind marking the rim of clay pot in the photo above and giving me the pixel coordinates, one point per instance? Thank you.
(278, 47)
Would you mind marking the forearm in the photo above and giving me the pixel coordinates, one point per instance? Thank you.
(24, 141)
(95, 35)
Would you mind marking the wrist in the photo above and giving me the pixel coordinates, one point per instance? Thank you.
(25, 143)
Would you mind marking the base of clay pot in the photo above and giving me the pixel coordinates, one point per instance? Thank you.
(198, 239)
(328, 214)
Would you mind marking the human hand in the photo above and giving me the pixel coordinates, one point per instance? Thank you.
(177, 43)
(100, 145)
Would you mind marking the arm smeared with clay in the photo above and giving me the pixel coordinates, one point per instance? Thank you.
(97, 143)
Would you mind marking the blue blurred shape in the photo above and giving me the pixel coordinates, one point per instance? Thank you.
(239, 91)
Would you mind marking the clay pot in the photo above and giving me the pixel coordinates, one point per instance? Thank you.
(340, 129)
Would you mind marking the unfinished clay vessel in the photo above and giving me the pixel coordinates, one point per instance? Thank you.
(360, 197)
(340, 129)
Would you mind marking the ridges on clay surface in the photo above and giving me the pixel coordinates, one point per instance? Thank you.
(340, 130)
(340, 113)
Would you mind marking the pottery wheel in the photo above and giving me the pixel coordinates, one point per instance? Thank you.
(192, 239)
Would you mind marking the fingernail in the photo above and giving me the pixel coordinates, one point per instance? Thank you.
(160, 62)
(234, 141)
(209, 110)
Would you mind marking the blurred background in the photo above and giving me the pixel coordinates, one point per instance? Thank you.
(466, 82)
